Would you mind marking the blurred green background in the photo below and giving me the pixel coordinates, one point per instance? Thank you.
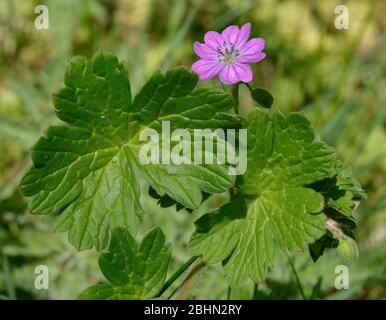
(336, 77)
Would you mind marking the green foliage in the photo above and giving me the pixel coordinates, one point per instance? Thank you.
(134, 271)
(317, 248)
(88, 171)
(348, 250)
(276, 208)
(309, 68)
(342, 194)
(262, 97)
(165, 201)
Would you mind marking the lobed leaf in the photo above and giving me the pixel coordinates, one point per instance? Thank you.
(276, 209)
(134, 271)
(88, 172)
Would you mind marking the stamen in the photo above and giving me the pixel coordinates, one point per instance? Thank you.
(228, 55)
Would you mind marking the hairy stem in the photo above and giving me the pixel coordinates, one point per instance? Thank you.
(176, 275)
(188, 283)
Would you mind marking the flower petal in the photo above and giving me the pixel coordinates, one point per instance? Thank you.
(213, 39)
(230, 34)
(243, 35)
(255, 44)
(204, 51)
(244, 71)
(202, 65)
(252, 51)
(211, 72)
(207, 69)
(228, 75)
(252, 58)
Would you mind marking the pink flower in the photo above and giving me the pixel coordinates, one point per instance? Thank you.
(228, 54)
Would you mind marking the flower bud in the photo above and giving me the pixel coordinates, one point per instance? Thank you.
(348, 250)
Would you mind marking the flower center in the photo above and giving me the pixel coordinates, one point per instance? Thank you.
(227, 55)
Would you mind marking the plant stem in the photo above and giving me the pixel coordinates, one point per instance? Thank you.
(229, 293)
(296, 277)
(248, 86)
(176, 274)
(172, 293)
(187, 284)
(255, 291)
(235, 94)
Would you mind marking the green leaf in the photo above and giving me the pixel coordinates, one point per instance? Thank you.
(342, 194)
(342, 191)
(165, 201)
(348, 191)
(88, 172)
(317, 248)
(134, 271)
(276, 208)
(262, 97)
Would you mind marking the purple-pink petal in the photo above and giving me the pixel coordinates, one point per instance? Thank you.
(228, 54)
(233, 73)
(211, 72)
(253, 45)
(243, 35)
(252, 58)
(213, 39)
(230, 34)
(243, 71)
(252, 51)
(206, 69)
(204, 51)
(228, 75)
(236, 72)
